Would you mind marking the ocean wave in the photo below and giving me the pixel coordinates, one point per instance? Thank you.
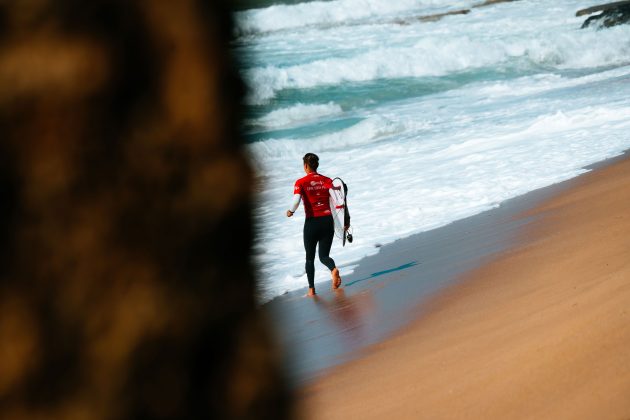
(368, 131)
(280, 17)
(295, 115)
(537, 84)
(437, 56)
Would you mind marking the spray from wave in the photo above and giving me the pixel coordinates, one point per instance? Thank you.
(296, 115)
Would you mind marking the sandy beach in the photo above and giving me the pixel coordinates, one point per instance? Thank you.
(540, 331)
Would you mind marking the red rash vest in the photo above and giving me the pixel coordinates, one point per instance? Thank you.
(314, 191)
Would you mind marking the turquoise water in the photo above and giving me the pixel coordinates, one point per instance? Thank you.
(426, 122)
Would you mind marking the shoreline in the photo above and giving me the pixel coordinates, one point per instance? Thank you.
(539, 330)
(391, 289)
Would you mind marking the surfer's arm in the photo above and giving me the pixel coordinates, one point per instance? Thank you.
(296, 202)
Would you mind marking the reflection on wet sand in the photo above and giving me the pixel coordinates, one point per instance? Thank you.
(346, 313)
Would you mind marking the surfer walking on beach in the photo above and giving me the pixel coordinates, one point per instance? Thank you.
(314, 190)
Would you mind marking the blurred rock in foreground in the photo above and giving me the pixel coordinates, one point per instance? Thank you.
(126, 289)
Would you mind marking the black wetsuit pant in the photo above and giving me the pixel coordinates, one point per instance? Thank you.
(318, 230)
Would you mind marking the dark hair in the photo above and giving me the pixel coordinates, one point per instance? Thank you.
(312, 160)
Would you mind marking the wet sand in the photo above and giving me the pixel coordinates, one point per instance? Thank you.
(540, 329)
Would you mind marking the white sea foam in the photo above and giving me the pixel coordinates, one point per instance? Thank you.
(371, 130)
(444, 176)
(282, 17)
(296, 114)
(438, 56)
(540, 83)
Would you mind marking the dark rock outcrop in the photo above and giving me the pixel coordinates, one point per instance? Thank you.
(612, 14)
(431, 18)
(491, 2)
(126, 288)
(438, 16)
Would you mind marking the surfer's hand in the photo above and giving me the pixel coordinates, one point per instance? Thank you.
(289, 213)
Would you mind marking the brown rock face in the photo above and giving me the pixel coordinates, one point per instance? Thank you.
(126, 289)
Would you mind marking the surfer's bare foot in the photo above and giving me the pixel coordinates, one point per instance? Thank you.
(311, 292)
(336, 278)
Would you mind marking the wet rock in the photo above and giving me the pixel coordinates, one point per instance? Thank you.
(612, 14)
(439, 16)
(491, 2)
